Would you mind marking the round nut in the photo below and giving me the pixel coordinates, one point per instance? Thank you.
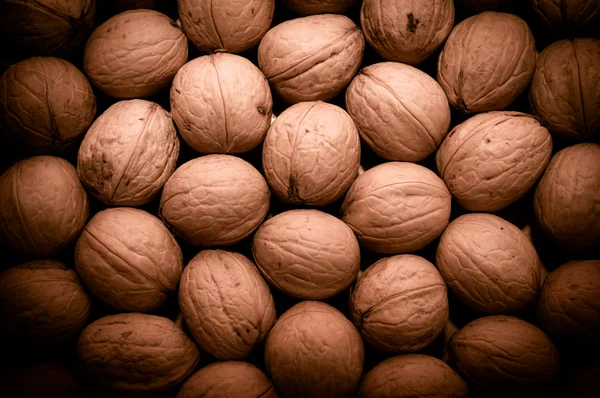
(153, 354)
(129, 153)
(314, 351)
(227, 25)
(229, 112)
(400, 304)
(43, 206)
(410, 31)
(500, 355)
(228, 379)
(128, 259)
(135, 54)
(487, 62)
(489, 264)
(46, 104)
(226, 304)
(57, 28)
(43, 305)
(397, 207)
(215, 200)
(311, 154)
(569, 307)
(402, 376)
(311, 58)
(566, 201)
(401, 112)
(493, 159)
(307, 254)
(565, 90)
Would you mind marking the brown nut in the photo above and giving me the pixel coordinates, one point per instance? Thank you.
(400, 304)
(487, 62)
(311, 58)
(493, 159)
(226, 304)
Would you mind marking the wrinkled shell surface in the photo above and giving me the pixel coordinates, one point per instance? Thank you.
(503, 354)
(215, 200)
(314, 351)
(46, 103)
(47, 27)
(221, 103)
(487, 62)
(568, 16)
(569, 308)
(565, 90)
(400, 304)
(412, 375)
(43, 206)
(226, 304)
(310, 7)
(397, 207)
(307, 254)
(230, 25)
(311, 58)
(42, 304)
(153, 353)
(489, 264)
(401, 112)
(311, 154)
(135, 54)
(567, 199)
(406, 31)
(228, 379)
(128, 259)
(129, 153)
(492, 159)
(39, 380)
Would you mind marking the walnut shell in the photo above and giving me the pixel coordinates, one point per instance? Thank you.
(401, 112)
(566, 201)
(129, 153)
(502, 355)
(46, 104)
(314, 351)
(493, 159)
(128, 259)
(311, 154)
(215, 200)
(43, 305)
(568, 17)
(307, 254)
(47, 27)
(43, 206)
(397, 207)
(229, 111)
(489, 264)
(404, 376)
(565, 90)
(311, 7)
(135, 353)
(487, 62)
(228, 379)
(226, 304)
(311, 58)
(227, 25)
(400, 304)
(410, 31)
(135, 54)
(569, 307)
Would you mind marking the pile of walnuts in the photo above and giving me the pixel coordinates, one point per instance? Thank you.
(300, 198)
